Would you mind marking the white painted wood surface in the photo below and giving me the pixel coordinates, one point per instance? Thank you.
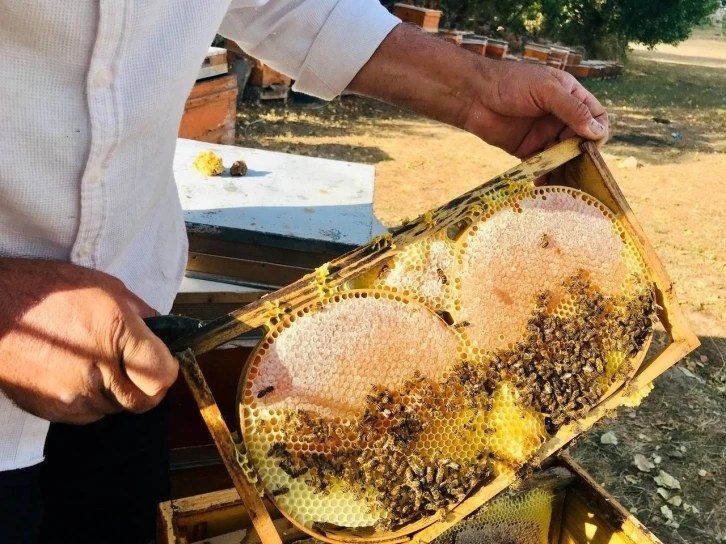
(300, 197)
(195, 285)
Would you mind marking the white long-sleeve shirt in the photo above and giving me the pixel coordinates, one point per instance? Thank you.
(91, 98)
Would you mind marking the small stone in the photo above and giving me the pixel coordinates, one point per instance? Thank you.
(609, 438)
(631, 163)
(675, 501)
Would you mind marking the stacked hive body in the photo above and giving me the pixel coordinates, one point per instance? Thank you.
(384, 404)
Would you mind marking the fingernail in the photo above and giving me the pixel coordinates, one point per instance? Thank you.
(596, 127)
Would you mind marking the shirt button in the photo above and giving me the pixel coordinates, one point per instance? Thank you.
(84, 251)
(95, 175)
(103, 78)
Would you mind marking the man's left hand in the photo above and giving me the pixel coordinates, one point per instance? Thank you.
(521, 108)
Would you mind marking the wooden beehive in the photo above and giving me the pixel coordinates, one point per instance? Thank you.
(583, 168)
(427, 19)
(454, 36)
(536, 51)
(476, 46)
(580, 508)
(497, 49)
(210, 112)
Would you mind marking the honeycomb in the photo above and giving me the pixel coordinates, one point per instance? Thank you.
(523, 518)
(208, 163)
(421, 271)
(452, 363)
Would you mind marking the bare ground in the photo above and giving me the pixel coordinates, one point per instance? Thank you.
(669, 113)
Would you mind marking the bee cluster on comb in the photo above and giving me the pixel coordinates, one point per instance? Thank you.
(391, 400)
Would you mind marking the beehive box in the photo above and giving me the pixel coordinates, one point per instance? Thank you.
(405, 384)
(556, 508)
(210, 111)
(427, 19)
(476, 46)
(497, 49)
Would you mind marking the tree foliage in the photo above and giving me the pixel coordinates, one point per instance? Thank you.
(604, 27)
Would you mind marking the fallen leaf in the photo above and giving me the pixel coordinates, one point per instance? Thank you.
(666, 480)
(663, 493)
(706, 475)
(657, 459)
(630, 163)
(644, 437)
(676, 501)
(704, 359)
(687, 372)
(690, 508)
(643, 464)
(632, 479)
(672, 523)
(667, 512)
(609, 438)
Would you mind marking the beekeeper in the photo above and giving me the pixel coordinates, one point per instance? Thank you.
(92, 237)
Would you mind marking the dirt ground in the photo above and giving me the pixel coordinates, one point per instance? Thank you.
(669, 112)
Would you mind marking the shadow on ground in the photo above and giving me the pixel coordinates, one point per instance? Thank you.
(681, 425)
(662, 112)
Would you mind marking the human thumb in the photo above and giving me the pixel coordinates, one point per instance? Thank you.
(146, 360)
(575, 114)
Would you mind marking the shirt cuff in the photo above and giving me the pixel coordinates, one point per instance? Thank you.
(350, 36)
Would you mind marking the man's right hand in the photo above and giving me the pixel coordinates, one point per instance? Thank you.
(73, 344)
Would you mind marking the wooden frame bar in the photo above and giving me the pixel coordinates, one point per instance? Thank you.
(584, 169)
(220, 517)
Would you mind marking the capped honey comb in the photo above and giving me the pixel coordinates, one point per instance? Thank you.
(452, 363)
(521, 518)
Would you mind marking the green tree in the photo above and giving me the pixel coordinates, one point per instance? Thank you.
(604, 27)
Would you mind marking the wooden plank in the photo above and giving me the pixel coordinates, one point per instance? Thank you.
(210, 112)
(259, 515)
(604, 506)
(556, 520)
(287, 531)
(585, 526)
(165, 524)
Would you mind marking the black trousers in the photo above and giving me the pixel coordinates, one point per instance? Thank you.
(99, 483)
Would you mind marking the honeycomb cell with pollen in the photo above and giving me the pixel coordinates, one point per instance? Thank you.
(449, 364)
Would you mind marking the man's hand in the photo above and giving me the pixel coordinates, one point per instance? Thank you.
(73, 344)
(521, 108)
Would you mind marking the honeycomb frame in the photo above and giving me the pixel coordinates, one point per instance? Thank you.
(585, 170)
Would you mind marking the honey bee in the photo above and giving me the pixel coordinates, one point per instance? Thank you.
(265, 391)
(384, 272)
(418, 496)
(441, 276)
(544, 241)
(260, 425)
(461, 325)
(417, 465)
(280, 491)
(277, 449)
